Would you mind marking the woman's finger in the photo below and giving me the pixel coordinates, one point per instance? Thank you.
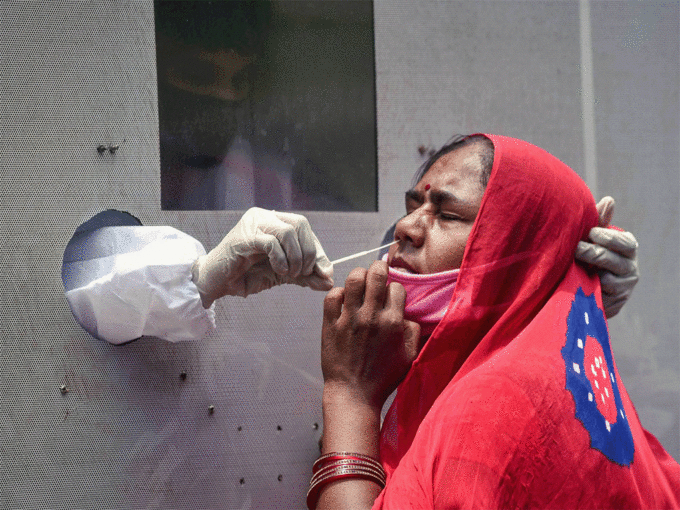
(376, 285)
(332, 305)
(395, 297)
(355, 287)
(413, 342)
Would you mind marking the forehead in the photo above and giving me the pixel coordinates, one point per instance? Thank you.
(461, 169)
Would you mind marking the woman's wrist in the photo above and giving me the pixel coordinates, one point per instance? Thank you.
(345, 394)
(350, 423)
(351, 428)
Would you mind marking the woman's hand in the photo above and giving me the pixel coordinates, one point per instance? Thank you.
(367, 346)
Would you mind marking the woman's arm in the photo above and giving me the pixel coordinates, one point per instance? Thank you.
(349, 426)
(367, 349)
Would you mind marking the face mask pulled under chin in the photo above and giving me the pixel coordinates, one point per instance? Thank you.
(427, 296)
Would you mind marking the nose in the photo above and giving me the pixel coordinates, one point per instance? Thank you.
(411, 228)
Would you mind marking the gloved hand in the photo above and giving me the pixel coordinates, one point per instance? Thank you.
(264, 249)
(614, 255)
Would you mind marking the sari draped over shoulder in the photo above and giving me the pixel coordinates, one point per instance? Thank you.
(515, 401)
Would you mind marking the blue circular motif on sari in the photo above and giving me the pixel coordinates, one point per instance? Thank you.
(587, 331)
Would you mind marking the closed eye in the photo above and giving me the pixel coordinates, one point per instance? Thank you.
(449, 217)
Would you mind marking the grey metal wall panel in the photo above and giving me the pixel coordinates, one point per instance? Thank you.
(637, 108)
(131, 433)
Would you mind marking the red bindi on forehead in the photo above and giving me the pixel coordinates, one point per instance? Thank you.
(427, 186)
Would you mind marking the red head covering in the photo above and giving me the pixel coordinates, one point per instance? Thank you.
(515, 399)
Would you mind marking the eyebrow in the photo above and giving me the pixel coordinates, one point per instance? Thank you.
(437, 196)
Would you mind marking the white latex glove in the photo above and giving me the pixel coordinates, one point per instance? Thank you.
(614, 255)
(264, 249)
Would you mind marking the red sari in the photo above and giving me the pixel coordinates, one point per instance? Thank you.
(515, 401)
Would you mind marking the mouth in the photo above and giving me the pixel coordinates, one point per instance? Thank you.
(401, 265)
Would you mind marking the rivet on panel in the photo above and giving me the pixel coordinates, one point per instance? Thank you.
(211, 409)
(64, 389)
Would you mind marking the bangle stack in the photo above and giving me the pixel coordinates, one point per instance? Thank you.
(336, 466)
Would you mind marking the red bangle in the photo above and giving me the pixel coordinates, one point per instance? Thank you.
(378, 474)
(333, 456)
(337, 466)
(340, 474)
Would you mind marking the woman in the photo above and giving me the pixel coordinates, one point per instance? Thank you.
(510, 396)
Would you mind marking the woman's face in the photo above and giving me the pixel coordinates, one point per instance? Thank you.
(440, 212)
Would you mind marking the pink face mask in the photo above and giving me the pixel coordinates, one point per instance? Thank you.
(427, 296)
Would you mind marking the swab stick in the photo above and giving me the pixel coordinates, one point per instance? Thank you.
(361, 253)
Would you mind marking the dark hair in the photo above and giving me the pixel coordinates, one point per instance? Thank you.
(458, 141)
